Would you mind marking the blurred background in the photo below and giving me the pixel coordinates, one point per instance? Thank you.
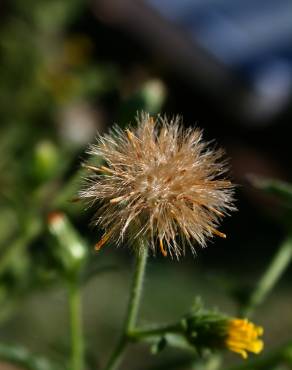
(69, 69)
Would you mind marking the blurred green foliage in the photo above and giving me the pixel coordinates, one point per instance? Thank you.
(48, 72)
(44, 70)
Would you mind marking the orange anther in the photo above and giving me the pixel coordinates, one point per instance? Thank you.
(162, 249)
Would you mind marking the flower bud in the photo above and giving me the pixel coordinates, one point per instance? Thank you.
(70, 249)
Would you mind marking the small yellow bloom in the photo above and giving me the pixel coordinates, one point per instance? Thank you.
(242, 337)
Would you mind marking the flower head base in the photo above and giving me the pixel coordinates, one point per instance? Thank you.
(159, 182)
(242, 337)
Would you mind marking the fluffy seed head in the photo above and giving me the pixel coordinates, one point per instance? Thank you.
(160, 182)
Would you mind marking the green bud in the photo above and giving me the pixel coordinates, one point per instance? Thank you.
(154, 94)
(46, 160)
(70, 249)
(205, 329)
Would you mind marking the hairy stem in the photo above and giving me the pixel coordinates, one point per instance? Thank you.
(270, 277)
(136, 289)
(133, 307)
(77, 345)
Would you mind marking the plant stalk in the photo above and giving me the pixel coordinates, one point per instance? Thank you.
(133, 307)
(157, 331)
(271, 276)
(136, 289)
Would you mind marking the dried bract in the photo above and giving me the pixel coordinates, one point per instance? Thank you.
(159, 182)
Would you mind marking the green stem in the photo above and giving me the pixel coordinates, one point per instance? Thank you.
(117, 354)
(270, 277)
(158, 331)
(77, 345)
(174, 332)
(136, 290)
(133, 307)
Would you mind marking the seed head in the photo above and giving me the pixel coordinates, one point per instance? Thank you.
(159, 182)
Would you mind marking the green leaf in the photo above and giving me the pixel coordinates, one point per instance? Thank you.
(158, 346)
(279, 188)
(22, 357)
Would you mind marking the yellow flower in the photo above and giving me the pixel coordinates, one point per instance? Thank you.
(242, 337)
